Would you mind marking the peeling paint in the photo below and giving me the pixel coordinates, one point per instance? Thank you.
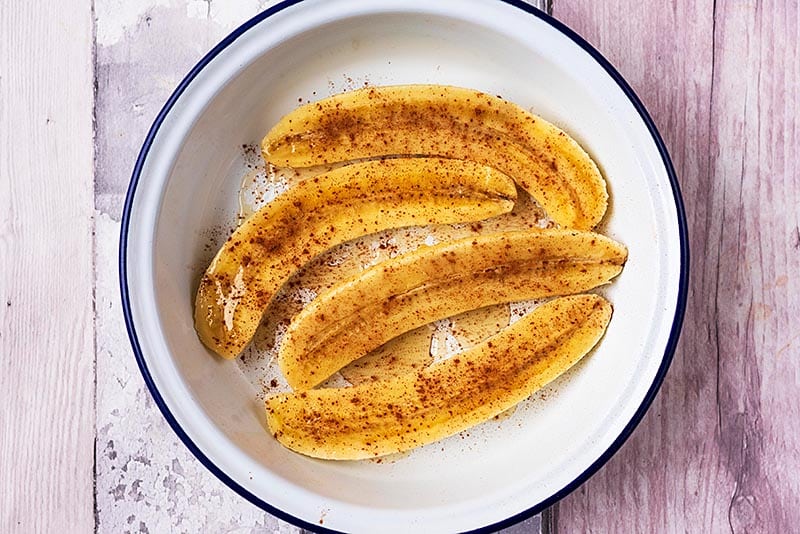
(147, 481)
(114, 17)
(144, 49)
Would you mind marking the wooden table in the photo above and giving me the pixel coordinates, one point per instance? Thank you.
(83, 447)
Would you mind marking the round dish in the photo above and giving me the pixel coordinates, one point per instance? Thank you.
(185, 183)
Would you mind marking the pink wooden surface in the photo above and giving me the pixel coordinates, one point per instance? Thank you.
(720, 448)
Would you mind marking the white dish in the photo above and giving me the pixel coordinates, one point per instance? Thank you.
(186, 182)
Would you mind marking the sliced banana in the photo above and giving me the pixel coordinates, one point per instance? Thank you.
(326, 210)
(452, 122)
(395, 296)
(407, 353)
(395, 415)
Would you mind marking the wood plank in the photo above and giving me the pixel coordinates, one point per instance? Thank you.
(719, 449)
(46, 325)
(147, 480)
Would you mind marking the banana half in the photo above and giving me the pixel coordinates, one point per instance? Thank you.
(431, 283)
(399, 414)
(451, 122)
(327, 210)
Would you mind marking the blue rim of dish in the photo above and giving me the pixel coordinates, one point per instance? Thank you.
(597, 464)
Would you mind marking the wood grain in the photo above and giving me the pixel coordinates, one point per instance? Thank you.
(46, 325)
(720, 448)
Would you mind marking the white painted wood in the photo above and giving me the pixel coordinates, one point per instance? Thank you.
(147, 480)
(46, 323)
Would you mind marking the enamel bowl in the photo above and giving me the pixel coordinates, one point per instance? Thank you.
(185, 185)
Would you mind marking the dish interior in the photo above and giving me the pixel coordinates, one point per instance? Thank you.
(187, 201)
